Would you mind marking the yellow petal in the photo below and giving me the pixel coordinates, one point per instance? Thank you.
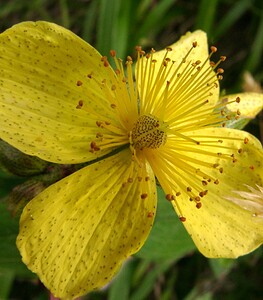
(207, 173)
(46, 72)
(251, 199)
(177, 76)
(76, 233)
(182, 46)
(250, 104)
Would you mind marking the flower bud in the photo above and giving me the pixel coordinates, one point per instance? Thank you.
(18, 163)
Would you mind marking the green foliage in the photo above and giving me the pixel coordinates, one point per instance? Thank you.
(10, 259)
(168, 240)
(167, 267)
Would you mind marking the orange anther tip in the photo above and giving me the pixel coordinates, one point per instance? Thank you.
(150, 214)
(80, 104)
(106, 63)
(198, 205)
(213, 49)
(220, 71)
(112, 53)
(168, 197)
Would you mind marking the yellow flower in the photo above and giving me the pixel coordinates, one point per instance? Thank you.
(60, 100)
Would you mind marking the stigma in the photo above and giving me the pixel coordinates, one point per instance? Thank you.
(148, 132)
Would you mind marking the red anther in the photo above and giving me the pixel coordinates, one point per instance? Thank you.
(144, 196)
(246, 140)
(99, 123)
(213, 49)
(80, 104)
(150, 214)
(112, 53)
(198, 205)
(220, 71)
(168, 197)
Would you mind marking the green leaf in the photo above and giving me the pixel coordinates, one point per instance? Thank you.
(121, 285)
(153, 16)
(108, 14)
(168, 239)
(234, 13)
(10, 259)
(6, 280)
(146, 285)
(256, 50)
(195, 295)
(121, 36)
(65, 19)
(89, 23)
(206, 15)
(222, 266)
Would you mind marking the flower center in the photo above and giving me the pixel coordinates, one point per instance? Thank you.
(148, 132)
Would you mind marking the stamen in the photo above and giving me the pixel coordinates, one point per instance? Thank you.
(144, 196)
(104, 59)
(155, 86)
(150, 214)
(80, 104)
(173, 101)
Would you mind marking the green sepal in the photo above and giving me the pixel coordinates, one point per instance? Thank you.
(18, 163)
(239, 123)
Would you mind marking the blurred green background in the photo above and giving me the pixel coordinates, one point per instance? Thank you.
(168, 267)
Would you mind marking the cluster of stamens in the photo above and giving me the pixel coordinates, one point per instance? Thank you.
(183, 75)
(184, 92)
